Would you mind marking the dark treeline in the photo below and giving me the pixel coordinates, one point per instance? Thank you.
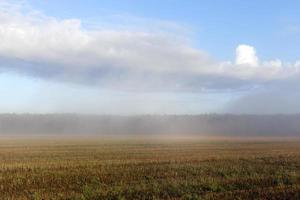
(210, 124)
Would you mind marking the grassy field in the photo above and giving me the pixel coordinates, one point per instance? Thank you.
(149, 169)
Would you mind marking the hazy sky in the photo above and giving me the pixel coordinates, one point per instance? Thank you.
(154, 57)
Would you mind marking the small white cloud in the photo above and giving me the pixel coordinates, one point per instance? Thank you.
(246, 55)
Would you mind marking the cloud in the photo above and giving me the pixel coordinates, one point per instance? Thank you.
(34, 44)
(268, 101)
(38, 38)
(274, 97)
(246, 55)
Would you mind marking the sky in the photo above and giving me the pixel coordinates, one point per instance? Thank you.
(149, 57)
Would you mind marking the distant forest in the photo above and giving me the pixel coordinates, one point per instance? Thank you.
(206, 124)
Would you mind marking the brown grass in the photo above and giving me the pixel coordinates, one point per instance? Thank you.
(95, 168)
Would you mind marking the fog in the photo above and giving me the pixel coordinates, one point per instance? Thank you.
(150, 125)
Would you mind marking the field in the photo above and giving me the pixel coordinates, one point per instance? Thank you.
(149, 169)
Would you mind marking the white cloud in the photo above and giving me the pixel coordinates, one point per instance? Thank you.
(65, 42)
(246, 55)
(36, 44)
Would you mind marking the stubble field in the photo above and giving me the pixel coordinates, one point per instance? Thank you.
(95, 168)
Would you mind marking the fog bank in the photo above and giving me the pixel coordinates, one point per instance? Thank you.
(150, 125)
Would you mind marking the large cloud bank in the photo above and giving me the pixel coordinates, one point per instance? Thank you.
(63, 49)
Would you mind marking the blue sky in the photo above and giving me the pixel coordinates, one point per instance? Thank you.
(149, 57)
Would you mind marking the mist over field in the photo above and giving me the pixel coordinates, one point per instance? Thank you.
(150, 125)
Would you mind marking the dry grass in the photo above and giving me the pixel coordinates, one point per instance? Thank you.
(149, 169)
